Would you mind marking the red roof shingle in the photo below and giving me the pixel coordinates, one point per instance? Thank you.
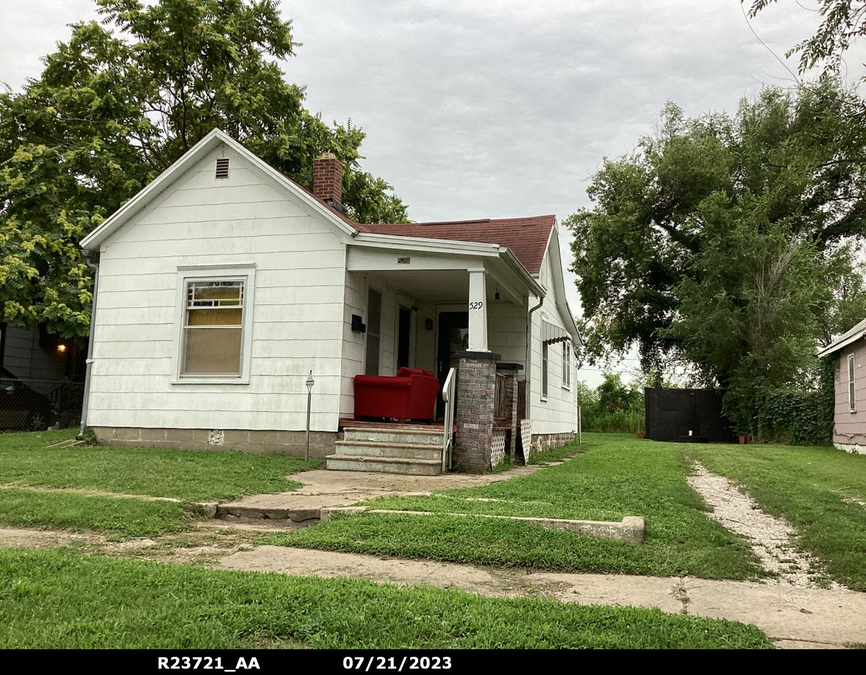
(526, 237)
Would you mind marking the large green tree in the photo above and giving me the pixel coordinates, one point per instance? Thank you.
(122, 100)
(728, 240)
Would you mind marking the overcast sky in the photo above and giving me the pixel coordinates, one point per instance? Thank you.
(497, 108)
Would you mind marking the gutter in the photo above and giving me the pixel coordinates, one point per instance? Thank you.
(88, 371)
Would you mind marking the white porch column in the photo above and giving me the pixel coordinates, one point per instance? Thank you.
(478, 310)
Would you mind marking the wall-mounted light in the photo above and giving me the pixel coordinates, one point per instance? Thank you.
(428, 324)
(61, 348)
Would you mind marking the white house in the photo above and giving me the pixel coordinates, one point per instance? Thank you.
(224, 283)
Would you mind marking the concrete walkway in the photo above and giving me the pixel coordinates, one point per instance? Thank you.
(326, 489)
(791, 617)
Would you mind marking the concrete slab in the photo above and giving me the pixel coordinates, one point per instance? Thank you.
(631, 529)
(326, 489)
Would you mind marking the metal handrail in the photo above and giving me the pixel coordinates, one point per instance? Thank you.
(448, 392)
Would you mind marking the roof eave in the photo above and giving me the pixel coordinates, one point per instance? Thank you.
(831, 348)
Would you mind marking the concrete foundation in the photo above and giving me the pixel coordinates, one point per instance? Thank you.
(853, 448)
(261, 442)
(542, 442)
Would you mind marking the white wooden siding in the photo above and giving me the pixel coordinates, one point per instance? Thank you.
(355, 344)
(425, 340)
(558, 413)
(506, 331)
(297, 312)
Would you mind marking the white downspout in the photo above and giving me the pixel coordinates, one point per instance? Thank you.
(89, 364)
(529, 353)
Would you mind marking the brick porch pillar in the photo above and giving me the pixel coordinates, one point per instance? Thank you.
(476, 386)
(510, 370)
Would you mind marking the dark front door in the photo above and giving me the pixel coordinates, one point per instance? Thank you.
(453, 338)
(404, 327)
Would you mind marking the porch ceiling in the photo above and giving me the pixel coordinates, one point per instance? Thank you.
(439, 286)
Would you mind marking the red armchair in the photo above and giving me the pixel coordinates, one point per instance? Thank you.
(411, 395)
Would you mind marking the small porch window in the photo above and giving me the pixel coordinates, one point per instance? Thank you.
(852, 402)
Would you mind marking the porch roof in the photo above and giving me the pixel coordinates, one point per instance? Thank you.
(526, 237)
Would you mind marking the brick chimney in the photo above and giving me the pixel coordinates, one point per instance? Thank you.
(328, 180)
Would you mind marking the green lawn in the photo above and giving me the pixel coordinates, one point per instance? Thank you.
(118, 518)
(61, 599)
(186, 475)
(182, 474)
(807, 487)
(618, 476)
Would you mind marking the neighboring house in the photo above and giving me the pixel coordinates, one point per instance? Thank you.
(223, 283)
(849, 423)
(35, 356)
(40, 379)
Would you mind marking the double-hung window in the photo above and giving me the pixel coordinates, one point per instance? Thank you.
(215, 326)
(566, 365)
(545, 360)
(852, 402)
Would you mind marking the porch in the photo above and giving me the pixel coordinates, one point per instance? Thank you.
(466, 320)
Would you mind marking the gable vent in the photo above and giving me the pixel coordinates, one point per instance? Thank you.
(222, 168)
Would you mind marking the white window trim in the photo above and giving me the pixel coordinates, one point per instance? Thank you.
(852, 384)
(566, 366)
(245, 271)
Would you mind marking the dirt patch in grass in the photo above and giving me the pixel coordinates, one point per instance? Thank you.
(14, 537)
(769, 537)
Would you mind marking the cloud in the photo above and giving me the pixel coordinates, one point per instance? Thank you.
(501, 107)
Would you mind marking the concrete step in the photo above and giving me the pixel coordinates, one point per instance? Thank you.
(378, 449)
(414, 467)
(393, 435)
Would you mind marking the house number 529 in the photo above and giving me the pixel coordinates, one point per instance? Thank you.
(476, 305)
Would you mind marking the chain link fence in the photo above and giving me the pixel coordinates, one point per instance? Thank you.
(36, 405)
